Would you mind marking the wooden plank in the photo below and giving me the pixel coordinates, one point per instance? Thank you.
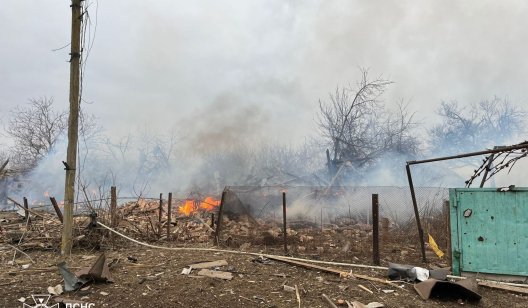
(215, 274)
(20, 206)
(211, 264)
(365, 288)
(311, 266)
(494, 285)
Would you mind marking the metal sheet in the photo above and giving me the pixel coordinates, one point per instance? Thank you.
(493, 238)
(463, 289)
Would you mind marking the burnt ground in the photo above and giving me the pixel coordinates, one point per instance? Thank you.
(155, 280)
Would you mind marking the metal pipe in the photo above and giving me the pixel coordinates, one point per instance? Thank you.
(498, 150)
(416, 212)
(486, 170)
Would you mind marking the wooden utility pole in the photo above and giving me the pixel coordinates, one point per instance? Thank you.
(73, 127)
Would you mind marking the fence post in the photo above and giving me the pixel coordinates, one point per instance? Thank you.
(57, 209)
(219, 219)
(113, 206)
(284, 222)
(322, 230)
(447, 223)
(160, 211)
(26, 212)
(375, 230)
(169, 215)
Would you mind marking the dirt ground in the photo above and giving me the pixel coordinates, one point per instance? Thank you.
(155, 279)
(151, 277)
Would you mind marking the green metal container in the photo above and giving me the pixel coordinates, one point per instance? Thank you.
(489, 230)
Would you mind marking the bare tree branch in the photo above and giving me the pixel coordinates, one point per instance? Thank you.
(486, 124)
(355, 124)
(35, 129)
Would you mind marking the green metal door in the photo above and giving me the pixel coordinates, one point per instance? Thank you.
(489, 230)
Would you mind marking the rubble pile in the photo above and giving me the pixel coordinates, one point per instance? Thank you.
(41, 230)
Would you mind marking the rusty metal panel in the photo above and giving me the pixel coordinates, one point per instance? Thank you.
(489, 230)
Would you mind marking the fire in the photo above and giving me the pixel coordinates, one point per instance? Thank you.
(191, 206)
(209, 204)
(46, 194)
(187, 207)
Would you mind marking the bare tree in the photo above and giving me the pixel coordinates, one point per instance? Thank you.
(356, 126)
(477, 126)
(397, 133)
(35, 129)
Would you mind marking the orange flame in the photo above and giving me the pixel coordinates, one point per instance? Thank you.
(191, 206)
(187, 207)
(209, 204)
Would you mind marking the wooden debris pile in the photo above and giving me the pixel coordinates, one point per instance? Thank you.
(140, 218)
(145, 219)
(40, 230)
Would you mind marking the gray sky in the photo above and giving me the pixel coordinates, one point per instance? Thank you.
(224, 71)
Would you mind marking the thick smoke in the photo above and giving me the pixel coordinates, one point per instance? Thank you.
(155, 62)
(194, 94)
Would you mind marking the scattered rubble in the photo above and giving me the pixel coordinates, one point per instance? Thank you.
(140, 219)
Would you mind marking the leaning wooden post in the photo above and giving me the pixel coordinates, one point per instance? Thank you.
(26, 212)
(57, 209)
(113, 206)
(219, 219)
(284, 222)
(169, 205)
(375, 230)
(160, 211)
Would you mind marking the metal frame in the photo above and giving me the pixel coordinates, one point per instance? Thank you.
(523, 145)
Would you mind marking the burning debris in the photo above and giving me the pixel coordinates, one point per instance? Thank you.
(146, 218)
